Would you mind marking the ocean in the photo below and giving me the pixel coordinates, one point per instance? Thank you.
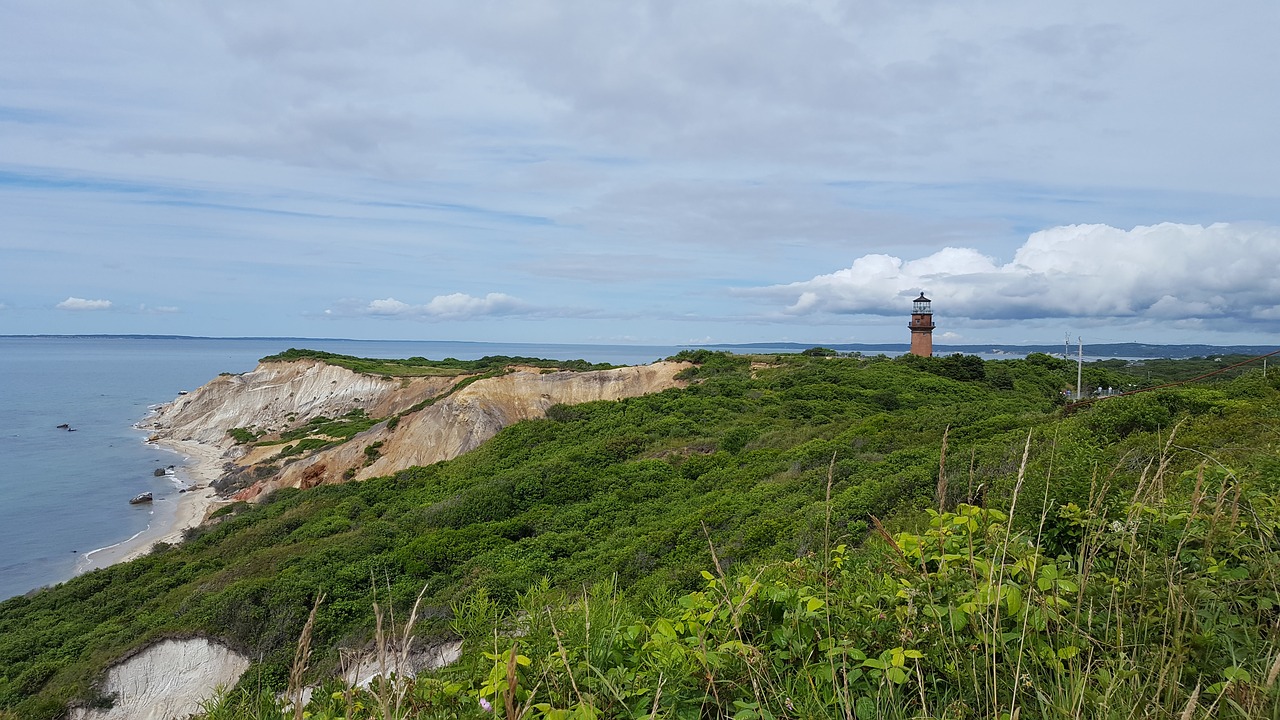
(65, 492)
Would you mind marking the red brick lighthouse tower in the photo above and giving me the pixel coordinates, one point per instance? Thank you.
(921, 327)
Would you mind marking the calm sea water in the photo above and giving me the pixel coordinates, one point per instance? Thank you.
(64, 494)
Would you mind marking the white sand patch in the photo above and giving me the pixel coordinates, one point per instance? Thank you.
(361, 670)
(168, 680)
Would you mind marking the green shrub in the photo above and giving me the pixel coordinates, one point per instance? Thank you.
(418, 366)
(1117, 418)
(637, 493)
(968, 618)
(243, 435)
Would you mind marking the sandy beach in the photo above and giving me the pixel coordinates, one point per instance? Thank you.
(173, 514)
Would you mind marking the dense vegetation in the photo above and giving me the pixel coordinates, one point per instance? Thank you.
(1062, 565)
(418, 366)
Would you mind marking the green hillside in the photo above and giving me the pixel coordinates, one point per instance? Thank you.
(1143, 564)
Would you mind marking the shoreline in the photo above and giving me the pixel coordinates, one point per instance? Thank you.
(201, 464)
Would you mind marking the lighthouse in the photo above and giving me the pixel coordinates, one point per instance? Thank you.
(921, 327)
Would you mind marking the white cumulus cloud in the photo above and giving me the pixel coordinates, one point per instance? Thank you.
(1162, 272)
(75, 303)
(390, 306)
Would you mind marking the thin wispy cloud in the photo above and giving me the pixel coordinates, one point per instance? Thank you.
(158, 309)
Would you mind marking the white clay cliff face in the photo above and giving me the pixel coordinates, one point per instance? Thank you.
(273, 393)
(168, 680)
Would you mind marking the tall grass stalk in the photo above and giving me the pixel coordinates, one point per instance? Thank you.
(301, 657)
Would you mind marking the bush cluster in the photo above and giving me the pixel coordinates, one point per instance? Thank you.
(770, 461)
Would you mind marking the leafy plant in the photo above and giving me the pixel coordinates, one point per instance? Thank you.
(243, 436)
(1169, 543)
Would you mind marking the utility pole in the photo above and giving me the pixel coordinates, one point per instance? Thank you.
(1066, 343)
(1079, 369)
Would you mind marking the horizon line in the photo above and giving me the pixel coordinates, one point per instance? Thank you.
(754, 344)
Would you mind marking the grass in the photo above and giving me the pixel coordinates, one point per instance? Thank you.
(422, 367)
(1166, 609)
(620, 505)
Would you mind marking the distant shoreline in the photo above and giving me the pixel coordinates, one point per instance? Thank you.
(1094, 351)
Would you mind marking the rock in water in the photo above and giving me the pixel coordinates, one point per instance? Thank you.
(145, 497)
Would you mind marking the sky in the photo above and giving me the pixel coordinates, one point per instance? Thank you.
(649, 171)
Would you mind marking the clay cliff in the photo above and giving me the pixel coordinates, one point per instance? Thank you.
(278, 396)
(423, 420)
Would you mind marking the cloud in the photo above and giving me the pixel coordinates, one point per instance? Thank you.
(871, 88)
(75, 303)
(157, 309)
(761, 214)
(1167, 272)
(610, 160)
(455, 306)
(609, 267)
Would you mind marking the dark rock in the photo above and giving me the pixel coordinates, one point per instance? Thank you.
(159, 472)
(145, 497)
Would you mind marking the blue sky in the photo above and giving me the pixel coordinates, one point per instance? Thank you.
(648, 172)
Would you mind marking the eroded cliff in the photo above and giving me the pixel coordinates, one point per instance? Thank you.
(463, 420)
(279, 396)
(421, 420)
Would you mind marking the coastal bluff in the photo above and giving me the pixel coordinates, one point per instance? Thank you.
(258, 420)
(276, 396)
